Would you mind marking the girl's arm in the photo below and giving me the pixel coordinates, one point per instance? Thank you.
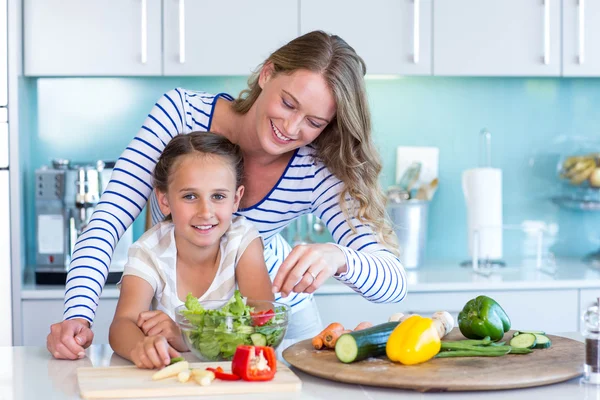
(251, 273)
(121, 202)
(135, 297)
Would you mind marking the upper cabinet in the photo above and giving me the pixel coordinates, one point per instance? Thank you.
(497, 37)
(581, 35)
(93, 38)
(224, 37)
(392, 36)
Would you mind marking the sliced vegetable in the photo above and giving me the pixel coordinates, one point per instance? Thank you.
(184, 376)
(254, 363)
(260, 318)
(171, 370)
(258, 339)
(358, 345)
(542, 341)
(524, 341)
(219, 373)
(203, 377)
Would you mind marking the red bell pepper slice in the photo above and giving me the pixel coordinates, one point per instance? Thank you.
(224, 376)
(260, 318)
(254, 363)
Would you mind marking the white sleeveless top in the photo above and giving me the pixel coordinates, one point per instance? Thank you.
(154, 259)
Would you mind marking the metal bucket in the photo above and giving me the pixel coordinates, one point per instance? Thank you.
(409, 219)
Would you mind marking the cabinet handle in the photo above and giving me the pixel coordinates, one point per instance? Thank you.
(546, 32)
(144, 35)
(182, 31)
(581, 36)
(416, 21)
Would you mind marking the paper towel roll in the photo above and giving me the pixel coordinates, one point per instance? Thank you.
(482, 188)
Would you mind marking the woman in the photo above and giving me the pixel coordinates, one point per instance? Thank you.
(304, 129)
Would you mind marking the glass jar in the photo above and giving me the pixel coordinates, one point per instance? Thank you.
(591, 333)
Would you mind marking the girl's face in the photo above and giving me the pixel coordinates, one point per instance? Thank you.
(292, 110)
(201, 199)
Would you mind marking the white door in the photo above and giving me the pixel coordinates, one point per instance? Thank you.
(392, 36)
(225, 37)
(581, 38)
(497, 38)
(92, 38)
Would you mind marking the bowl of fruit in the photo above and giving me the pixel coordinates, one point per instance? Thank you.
(581, 170)
(212, 329)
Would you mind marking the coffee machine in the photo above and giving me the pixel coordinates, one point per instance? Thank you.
(65, 197)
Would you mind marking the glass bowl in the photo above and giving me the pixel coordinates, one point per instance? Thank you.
(213, 336)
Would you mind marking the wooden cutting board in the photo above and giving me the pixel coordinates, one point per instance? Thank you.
(562, 361)
(130, 381)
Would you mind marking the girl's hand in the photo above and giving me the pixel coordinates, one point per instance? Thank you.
(154, 323)
(153, 352)
(307, 267)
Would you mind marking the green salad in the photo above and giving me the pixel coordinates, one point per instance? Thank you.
(216, 337)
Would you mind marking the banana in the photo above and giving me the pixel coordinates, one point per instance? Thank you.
(580, 166)
(571, 161)
(579, 177)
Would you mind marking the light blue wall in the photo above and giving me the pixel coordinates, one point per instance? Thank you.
(95, 118)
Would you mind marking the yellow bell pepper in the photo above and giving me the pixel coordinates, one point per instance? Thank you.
(413, 341)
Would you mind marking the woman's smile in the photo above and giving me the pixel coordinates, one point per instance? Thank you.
(278, 135)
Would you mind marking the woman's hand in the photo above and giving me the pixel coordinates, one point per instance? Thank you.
(307, 267)
(153, 352)
(154, 323)
(69, 339)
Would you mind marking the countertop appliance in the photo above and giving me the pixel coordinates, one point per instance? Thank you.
(65, 198)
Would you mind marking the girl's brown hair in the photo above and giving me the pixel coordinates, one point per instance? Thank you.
(204, 143)
(345, 146)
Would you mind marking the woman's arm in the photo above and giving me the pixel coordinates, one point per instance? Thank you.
(121, 202)
(357, 259)
(251, 273)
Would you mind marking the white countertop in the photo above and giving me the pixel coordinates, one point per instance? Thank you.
(31, 373)
(441, 276)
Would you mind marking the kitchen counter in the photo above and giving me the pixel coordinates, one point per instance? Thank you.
(438, 276)
(31, 373)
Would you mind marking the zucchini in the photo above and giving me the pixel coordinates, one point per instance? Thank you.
(534, 332)
(523, 341)
(258, 339)
(543, 341)
(355, 346)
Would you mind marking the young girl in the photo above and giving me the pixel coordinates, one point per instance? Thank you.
(199, 249)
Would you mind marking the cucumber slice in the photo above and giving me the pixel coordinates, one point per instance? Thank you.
(258, 339)
(346, 349)
(543, 341)
(534, 332)
(523, 341)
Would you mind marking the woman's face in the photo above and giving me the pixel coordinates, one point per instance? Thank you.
(292, 110)
(201, 199)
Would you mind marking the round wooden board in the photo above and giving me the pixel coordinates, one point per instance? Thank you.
(562, 361)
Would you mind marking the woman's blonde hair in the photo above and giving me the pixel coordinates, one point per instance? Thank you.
(345, 146)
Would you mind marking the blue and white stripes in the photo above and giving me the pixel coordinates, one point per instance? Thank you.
(305, 187)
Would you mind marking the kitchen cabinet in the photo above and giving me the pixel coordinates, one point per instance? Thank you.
(497, 38)
(39, 314)
(392, 36)
(581, 35)
(548, 310)
(225, 37)
(92, 38)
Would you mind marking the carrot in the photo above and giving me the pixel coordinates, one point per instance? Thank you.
(363, 325)
(330, 338)
(318, 341)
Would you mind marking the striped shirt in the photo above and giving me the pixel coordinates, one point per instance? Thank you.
(154, 259)
(305, 187)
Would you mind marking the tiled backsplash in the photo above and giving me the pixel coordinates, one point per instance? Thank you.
(95, 118)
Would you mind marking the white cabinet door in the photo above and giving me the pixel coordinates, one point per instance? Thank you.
(552, 311)
(225, 37)
(497, 38)
(38, 315)
(92, 38)
(581, 38)
(392, 36)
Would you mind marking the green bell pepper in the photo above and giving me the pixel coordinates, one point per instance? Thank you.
(482, 317)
